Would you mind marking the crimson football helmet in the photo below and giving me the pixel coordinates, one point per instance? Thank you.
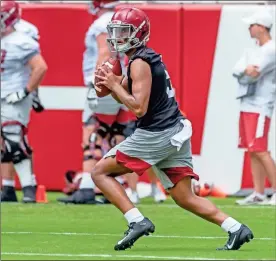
(96, 5)
(129, 28)
(10, 14)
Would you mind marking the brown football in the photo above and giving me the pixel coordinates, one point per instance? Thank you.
(115, 66)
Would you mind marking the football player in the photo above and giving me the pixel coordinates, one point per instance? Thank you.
(22, 70)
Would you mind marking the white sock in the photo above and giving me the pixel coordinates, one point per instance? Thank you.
(24, 171)
(133, 216)
(262, 196)
(86, 181)
(34, 183)
(230, 225)
(8, 183)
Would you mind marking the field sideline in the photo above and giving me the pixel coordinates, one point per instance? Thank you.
(55, 231)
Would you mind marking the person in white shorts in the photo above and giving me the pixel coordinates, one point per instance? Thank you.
(31, 30)
(256, 72)
(22, 69)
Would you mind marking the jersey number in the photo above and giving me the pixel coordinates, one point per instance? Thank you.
(3, 55)
(170, 89)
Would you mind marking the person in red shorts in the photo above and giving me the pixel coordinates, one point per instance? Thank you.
(255, 72)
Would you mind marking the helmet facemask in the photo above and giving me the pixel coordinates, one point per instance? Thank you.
(122, 37)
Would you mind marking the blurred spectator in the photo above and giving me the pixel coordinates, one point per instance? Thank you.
(255, 72)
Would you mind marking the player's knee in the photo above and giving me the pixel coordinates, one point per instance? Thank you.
(15, 147)
(182, 192)
(103, 130)
(97, 171)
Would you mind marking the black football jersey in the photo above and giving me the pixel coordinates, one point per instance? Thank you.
(163, 111)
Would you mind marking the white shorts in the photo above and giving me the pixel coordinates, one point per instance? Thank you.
(19, 111)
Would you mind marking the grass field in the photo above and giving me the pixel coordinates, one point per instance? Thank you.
(55, 231)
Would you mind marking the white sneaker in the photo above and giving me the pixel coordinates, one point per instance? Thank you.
(134, 198)
(159, 196)
(272, 201)
(253, 199)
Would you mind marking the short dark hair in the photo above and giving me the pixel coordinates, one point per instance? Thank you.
(268, 29)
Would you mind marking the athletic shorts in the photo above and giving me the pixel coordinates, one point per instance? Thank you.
(17, 112)
(145, 149)
(253, 132)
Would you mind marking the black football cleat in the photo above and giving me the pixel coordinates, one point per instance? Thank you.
(29, 194)
(81, 196)
(8, 194)
(134, 232)
(238, 238)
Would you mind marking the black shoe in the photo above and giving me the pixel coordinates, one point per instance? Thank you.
(238, 238)
(29, 194)
(8, 194)
(82, 196)
(134, 232)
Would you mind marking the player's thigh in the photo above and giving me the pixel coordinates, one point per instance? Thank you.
(176, 167)
(139, 151)
(143, 149)
(19, 111)
(109, 166)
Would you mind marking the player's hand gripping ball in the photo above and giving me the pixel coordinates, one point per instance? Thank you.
(111, 64)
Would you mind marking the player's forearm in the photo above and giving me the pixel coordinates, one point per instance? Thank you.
(128, 100)
(36, 77)
(115, 97)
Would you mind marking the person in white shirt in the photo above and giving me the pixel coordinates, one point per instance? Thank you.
(258, 85)
(22, 70)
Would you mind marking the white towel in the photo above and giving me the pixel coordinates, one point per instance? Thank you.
(260, 125)
(178, 139)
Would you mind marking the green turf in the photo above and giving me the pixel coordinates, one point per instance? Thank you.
(97, 228)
